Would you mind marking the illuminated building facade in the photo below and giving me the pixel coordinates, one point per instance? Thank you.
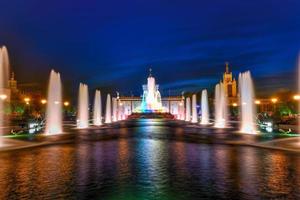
(150, 101)
(230, 85)
(12, 83)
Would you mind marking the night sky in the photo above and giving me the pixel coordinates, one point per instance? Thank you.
(111, 44)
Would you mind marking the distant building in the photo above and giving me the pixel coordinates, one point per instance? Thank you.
(265, 105)
(9, 89)
(132, 104)
(17, 92)
(231, 90)
(12, 83)
(230, 85)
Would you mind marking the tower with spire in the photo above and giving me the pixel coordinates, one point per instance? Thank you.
(12, 82)
(227, 67)
(229, 82)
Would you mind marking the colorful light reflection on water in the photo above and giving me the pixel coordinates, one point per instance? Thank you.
(148, 168)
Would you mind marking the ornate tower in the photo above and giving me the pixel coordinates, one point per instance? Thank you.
(229, 82)
(13, 83)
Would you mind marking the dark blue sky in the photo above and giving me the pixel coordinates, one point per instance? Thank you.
(111, 44)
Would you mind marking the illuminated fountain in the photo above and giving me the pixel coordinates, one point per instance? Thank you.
(97, 113)
(83, 107)
(188, 109)
(54, 105)
(108, 110)
(220, 106)
(298, 88)
(4, 74)
(120, 111)
(204, 108)
(194, 109)
(181, 110)
(151, 100)
(115, 107)
(248, 113)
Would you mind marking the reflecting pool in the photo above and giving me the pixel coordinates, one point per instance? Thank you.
(141, 165)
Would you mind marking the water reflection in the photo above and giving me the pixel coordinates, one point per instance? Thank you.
(148, 168)
(30, 175)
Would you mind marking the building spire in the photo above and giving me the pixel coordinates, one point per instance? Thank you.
(150, 72)
(227, 67)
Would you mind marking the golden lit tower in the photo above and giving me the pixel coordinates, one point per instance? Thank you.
(13, 83)
(229, 83)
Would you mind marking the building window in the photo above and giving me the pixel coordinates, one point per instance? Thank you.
(229, 90)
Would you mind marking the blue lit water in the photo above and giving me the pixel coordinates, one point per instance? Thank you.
(141, 164)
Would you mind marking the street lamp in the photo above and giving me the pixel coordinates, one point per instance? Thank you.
(234, 105)
(27, 100)
(257, 102)
(3, 96)
(43, 101)
(66, 103)
(274, 100)
(296, 97)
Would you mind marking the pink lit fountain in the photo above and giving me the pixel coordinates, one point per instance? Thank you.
(54, 105)
(151, 101)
